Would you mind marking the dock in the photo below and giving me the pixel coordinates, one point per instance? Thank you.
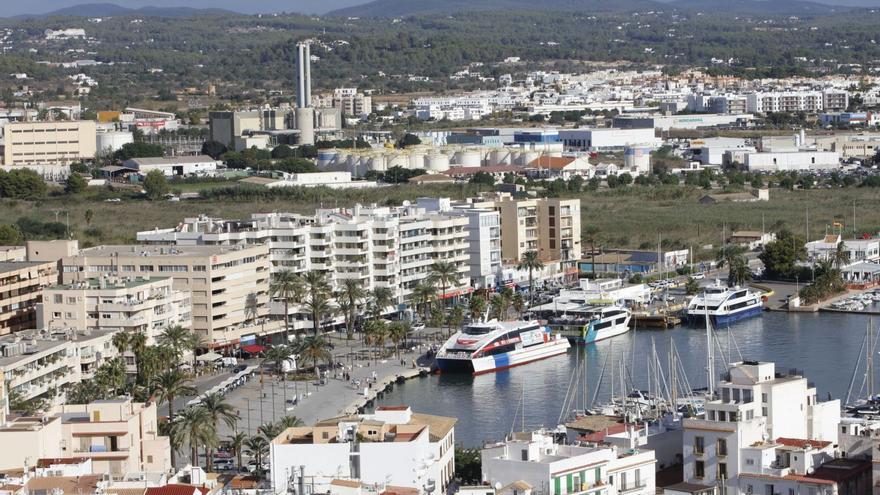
(384, 384)
(663, 317)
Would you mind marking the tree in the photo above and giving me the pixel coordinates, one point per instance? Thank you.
(590, 234)
(277, 355)
(691, 287)
(456, 316)
(214, 149)
(89, 214)
(290, 422)
(518, 303)
(236, 443)
(257, 447)
(175, 339)
(476, 306)
(483, 178)
(315, 349)
(397, 333)
(738, 266)
(781, 257)
(409, 140)
(167, 386)
(351, 294)
(375, 333)
(283, 151)
(288, 287)
(139, 149)
(317, 297)
(22, 183)
(443, 274)
(156, 185)
(193, 427)
(531, 262)
(75, 184)
(468, 466)
(217, 410)
(380, 299)
(424, 294)
(9, 235)
(841, 256)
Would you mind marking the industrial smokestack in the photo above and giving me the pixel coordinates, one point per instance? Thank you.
(303, 75)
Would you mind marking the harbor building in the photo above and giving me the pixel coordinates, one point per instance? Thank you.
(535, 460)
(393, 446)
(229, 284)
(765, 432)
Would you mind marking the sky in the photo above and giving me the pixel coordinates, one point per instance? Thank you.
(17, 7)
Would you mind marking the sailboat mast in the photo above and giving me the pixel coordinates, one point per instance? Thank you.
(710, 354)
(870, 360)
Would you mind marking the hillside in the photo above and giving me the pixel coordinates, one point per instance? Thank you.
(402, 8)
(113, 10)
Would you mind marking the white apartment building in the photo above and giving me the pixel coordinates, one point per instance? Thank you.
(549, 468)
(229, 285)
(40, 364)
(135, 304)
(785, 101)
(393, 446)
(765, 433)
(391, 247)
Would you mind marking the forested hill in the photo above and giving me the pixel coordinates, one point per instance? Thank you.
(403, 8)
(113, 10)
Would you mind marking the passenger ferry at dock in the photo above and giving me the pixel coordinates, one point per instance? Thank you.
(725, 304)
(492, 346)
(588, 324)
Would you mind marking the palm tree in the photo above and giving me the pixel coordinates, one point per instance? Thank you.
(380, 299)
(120, 341)
(531, 262)
(444, 274)
(290, 422)
(456, 316)
(111, 375)
(518, 303)
(476, 306)
(319, 306)
(423, 294)
(349, 297)
(218, 410)
(193, 426)
(236, 442)
(277, 355)
(270, 430)
(286, 286)
(375, 333)
(841, 256)
(590, 234)
(315, 349)
(738, 272)
(137, 342)
(195, 341)
(257, 447)
(397, 333)
(175, 339)
(168, 385)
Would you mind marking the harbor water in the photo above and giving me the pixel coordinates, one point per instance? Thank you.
(824, 346)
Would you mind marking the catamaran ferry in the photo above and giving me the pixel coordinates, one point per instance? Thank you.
(725, 304)
(491, 346)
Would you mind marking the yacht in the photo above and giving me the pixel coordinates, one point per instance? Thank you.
(589, 324)
(725, 304)
(484, 347)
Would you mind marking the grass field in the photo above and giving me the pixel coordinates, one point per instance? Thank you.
(633, 217)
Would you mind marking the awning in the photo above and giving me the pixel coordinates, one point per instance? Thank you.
(253, 348)
(208, 357)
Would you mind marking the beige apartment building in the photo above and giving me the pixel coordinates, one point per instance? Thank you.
(21, 289)
(119, 436)
(49, 143)
(229, 284)
(550, 226)
(134, 304)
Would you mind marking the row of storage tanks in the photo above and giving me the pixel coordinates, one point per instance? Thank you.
(431, 159)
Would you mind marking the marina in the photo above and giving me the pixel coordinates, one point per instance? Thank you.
(825, 346)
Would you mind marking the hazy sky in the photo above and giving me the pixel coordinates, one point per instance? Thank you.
(17, 7)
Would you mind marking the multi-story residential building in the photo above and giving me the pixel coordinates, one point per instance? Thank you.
(765, 430)
(392, 247)
(549, 468)
(134, 304)
(49, 143)
(4, 399)
(835, 100)
(550, 226)
(21, 290)
(229, 284)
(484, 246)
(39, 365)
(787, 101)
(393, 446)
(118, 436)
(348, 100)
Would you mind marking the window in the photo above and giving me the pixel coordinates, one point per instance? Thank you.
(638, 477)
(699, 469)
(764, 411)
(623, 485)
(764, 398)
(59, 298)
(524, 455)
(722, 470)
(699, 445)
(722, 446)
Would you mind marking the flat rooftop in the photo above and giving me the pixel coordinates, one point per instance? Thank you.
(146, 251)
(12, 266)
(37, 342)
(108, 283)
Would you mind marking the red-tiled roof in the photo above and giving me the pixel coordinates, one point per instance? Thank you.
(46, 462)
(392, 408)
(177, 490)
(494, 169)
(801, 443)
(400, 490)
(793, 477)
(554, 162)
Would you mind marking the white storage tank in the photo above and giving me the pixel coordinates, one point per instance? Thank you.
(468, 158)
(396, 159)
(327, 158)
(436, 162)
(376, 162)
(111, 141)
(500, 157)
(527, 157)
(416, 160)
(637, 158)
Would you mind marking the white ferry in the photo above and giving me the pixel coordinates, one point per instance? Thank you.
(725, 304)
(492, 346)
(586, 324)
